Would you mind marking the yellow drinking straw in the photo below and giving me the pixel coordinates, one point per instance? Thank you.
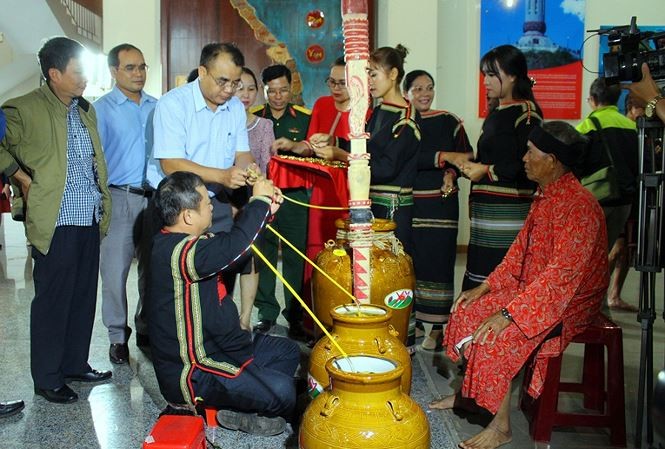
(293, 292)
(327, 276)
(314, 206)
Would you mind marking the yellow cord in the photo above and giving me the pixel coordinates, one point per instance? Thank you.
(309, 261)
(293, 292)
(313, 206)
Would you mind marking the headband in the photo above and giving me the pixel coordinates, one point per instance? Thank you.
(566, 154)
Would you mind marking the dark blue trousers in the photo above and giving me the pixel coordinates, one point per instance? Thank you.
(63, 310)
(266, 386)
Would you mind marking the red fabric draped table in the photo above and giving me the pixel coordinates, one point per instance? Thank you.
(328, 181)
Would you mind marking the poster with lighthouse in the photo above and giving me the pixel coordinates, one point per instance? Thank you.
(550, 34)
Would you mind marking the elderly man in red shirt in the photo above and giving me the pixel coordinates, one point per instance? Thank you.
(553, 277)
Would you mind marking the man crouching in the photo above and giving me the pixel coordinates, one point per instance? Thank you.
(200, 353)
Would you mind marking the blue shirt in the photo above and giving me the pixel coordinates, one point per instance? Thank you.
(3, 124)
(122, 128)
(82, 199)
(186, 128)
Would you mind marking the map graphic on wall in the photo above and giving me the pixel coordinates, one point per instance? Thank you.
(550, 34)
(307, 41)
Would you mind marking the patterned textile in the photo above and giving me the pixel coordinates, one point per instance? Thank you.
(499, 202)
(82, 199)
(435, 218)
(555, 272)
(261, 137)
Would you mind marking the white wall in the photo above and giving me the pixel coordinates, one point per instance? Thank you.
(443, 38)
(136, 22)
(28, 85)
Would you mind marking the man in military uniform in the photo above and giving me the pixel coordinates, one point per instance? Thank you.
(290, 124)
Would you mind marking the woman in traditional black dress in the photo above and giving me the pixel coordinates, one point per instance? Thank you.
(394, 143)
(444, 146)
(500, 194)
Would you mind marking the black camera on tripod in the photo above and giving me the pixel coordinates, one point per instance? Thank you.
(629, 48)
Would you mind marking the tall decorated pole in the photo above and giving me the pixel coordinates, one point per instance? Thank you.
(356, 53)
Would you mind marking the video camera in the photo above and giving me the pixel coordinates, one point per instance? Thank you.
(629, 48)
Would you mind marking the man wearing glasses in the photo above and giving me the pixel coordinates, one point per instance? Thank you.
(329, 121)
(290, 123)
(200, 128)
(123, 117)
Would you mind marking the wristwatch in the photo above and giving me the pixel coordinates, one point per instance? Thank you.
(651, 106)
(506, 314)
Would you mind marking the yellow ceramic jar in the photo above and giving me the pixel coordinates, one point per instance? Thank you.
(393, 278)
(363, 329)
(364, 409)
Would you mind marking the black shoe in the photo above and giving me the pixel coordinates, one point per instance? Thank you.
(10, 408)
(119, 353)
(142, 340)
(91, 376)
(264, 326)
(251, 423)
(62, 395)
(297, 331)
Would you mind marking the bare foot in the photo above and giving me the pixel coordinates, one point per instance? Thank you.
(443, 404)
(621, 305)
(454, 401)
(490, 437)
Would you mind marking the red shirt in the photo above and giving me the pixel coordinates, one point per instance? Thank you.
(327, 119)
(554, 272)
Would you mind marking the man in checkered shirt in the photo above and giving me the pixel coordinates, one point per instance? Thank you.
(53, 152)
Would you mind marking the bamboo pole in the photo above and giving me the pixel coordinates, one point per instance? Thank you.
(356, 54)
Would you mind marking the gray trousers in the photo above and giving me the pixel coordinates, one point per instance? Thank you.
(125, 240)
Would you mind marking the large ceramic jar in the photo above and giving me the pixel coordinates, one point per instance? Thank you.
(393, 279)
(365, 408)
(362, 329)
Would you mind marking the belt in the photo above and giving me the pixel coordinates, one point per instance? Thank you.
(147, 193)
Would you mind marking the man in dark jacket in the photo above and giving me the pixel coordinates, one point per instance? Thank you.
(200, 353)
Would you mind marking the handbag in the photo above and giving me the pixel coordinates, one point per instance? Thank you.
(602, 183)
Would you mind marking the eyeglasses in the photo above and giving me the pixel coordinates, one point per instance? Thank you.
(226, 83)
(421, 89)
(332, 83)
(283, 91)
(131, 68)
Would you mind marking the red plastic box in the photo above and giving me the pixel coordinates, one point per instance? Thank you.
(177, 432)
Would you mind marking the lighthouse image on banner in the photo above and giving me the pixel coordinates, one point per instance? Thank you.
(550, 34)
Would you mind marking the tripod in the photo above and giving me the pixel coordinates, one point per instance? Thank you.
(648, 260)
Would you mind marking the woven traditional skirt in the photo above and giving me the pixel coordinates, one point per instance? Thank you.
(435, 248)
(495, 222)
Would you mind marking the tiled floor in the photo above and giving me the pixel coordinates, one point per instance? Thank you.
(117, 414)
(120, 413)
